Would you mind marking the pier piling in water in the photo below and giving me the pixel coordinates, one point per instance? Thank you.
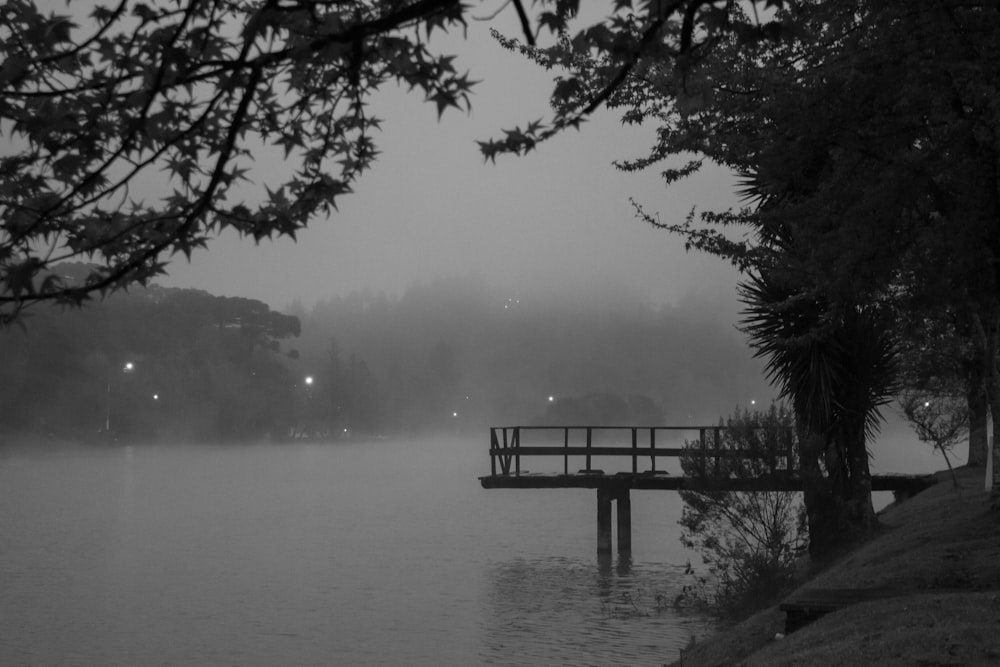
(624, 516)
(624, 506)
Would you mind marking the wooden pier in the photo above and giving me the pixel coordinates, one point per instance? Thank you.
(642, 450)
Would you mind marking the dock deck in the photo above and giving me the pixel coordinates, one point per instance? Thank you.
(706, 462)
(902, 485)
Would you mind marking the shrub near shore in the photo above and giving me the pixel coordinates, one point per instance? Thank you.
(940, 550)
(749, 541)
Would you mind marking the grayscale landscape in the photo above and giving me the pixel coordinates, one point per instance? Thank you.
(427, 333)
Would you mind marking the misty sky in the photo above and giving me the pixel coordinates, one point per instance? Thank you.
(431, 207)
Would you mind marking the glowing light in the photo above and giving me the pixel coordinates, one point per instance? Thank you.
(552, 399)
(454, 414)
(128, 367)
(156, 397)
(309, 379)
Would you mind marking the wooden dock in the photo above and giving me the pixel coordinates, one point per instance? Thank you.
(575, 449)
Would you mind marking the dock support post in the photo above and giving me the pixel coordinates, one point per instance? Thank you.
(603, 521)
(624, 512)
(624, 502)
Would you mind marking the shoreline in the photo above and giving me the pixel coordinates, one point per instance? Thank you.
(939, 550)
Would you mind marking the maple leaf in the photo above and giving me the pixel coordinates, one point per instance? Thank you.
(289, 141)
(277, 197)
(443, 99)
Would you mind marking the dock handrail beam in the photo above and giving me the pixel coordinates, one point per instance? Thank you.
(506, 447)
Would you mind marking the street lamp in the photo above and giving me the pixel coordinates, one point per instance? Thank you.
(128, 367)
(304, 407)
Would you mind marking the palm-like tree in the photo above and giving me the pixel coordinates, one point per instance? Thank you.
(834, 359)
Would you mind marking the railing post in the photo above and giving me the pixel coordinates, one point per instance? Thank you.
(588, 448)
(505, 461)
(652, 445)
(635, 445)
(517, 456)
(566, 448)
(493, 445)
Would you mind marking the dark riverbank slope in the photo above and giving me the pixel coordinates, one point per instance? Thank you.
(939, 552)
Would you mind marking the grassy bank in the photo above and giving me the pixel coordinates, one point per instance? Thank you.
(940, 550)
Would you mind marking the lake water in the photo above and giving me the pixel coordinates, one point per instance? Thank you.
(379, 553)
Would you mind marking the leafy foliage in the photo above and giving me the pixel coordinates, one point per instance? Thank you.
(837, 373)
(191, 93)
(940, 420)
(879, 202)
(749, 541)
(878, 199)
(659, 43)
(135, 131)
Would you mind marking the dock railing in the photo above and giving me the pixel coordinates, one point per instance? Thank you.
(709, 452)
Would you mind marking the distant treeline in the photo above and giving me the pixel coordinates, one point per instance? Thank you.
(455, 355)
(158, 362)
(460, 354)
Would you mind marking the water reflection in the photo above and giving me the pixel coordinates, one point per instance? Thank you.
(622, 565)
(604, 611)
(311, 554)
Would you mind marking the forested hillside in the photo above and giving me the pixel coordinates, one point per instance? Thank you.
(455, 355)
(158, 362)
(458, 353)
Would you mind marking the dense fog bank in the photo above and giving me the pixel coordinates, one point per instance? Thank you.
(455, 355)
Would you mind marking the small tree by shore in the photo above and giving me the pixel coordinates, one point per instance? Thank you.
(749, 542)
(942, 420)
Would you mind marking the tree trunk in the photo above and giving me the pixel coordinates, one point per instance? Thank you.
(988, 333)
(861, 512)
(979, 409)
(994, 393)
(994, 483)
(839, 505)
(990, 337)
(815, 493)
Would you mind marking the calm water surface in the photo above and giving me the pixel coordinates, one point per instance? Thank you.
(381, 553)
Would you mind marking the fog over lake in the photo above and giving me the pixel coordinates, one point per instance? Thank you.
(309, 553)
(270, 456)
(133, 547)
